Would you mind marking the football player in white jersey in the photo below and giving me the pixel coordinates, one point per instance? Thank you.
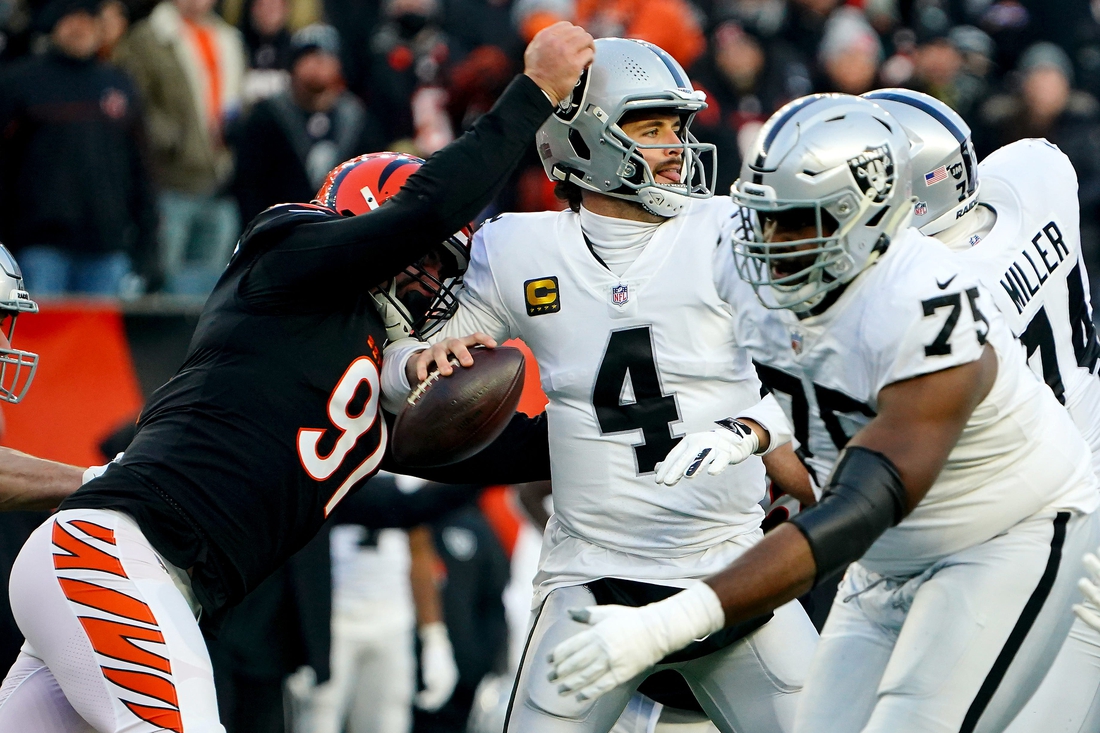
(966, 495)
(1020, 229)
(616, 300)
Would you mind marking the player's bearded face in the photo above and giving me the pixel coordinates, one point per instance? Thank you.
(800, 227)
(413, 291)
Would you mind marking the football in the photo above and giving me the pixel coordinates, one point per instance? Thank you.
(449, 419)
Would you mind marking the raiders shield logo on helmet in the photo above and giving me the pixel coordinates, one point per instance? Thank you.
(874, 172)
(568, 108)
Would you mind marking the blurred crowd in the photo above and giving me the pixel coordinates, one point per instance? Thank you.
(138, 137)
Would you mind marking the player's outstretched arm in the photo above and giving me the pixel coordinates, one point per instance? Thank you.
(438, 199)
(33, 484)
(884, 472)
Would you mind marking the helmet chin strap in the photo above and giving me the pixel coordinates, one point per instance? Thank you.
(662, 202)
(395, 317)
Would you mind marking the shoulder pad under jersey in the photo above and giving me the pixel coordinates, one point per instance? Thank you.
(283, 215)
(280, 218)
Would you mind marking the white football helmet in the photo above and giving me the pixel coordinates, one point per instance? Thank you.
(945, 167)
(583, 143)
(17, 368)
(831, 163)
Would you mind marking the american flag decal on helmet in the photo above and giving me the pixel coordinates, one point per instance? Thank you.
(935, 176)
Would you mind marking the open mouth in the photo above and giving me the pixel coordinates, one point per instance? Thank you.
(669, 173)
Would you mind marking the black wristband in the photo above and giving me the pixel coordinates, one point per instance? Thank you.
(863, 498)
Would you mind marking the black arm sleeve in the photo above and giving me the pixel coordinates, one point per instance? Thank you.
(444, 195)
(864, 497)
(521, 454)
(381, 505)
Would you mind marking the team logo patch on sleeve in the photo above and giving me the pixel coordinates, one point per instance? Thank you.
(541, 296)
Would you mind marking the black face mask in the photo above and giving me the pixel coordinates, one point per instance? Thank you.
(409, 24)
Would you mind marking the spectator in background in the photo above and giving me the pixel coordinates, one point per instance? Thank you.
(804, 24)
(75, 197)
(409, 54)
(1046, 105)
(973, 82)
(189, 66)
(477, 574)
(291, 141)
(264, 28)
(114, 22)
(671, 24)
(746, 78)
(850, 53)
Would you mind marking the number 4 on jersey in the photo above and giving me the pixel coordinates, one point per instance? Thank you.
(629, 356)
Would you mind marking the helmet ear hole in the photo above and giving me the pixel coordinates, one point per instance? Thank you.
(580, 147)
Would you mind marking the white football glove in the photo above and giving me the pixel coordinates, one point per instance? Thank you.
(437, 666)
(1090, 587)
(624, 641)
(92, 472)
(713, 450)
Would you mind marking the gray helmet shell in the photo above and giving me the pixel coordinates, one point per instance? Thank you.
(840, 157)
(17, 368)
(583, 143)
(945, 167)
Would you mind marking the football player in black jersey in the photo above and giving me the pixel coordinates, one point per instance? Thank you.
(270, 422)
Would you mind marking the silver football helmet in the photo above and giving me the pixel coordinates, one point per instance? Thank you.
(831, 164)
(583, 143)
(17, 368)
(945, 168)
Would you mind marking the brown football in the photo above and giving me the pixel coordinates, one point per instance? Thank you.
(449, 419)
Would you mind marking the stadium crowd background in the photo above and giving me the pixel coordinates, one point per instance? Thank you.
(137, 138)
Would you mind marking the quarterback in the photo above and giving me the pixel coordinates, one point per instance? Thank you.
(616, 299)
(964, 497)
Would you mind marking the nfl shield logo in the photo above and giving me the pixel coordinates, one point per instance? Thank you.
(796, 342)
(921, 208)
(620, 294)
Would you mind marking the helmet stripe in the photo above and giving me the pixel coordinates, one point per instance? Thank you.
(923, 106)
(673, 67)
(390, 169)
(774, 131)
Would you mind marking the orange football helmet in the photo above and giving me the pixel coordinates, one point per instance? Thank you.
(363, 184)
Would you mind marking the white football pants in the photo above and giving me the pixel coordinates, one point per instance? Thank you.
(643, 715)
(112, 641)
(960, 647)
(373, 677)
(1068, 700)
(751, 686)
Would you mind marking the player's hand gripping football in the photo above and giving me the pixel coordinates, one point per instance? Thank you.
(713, 450)
(624, 641)
(445, 355)
(1090, 587)
(556, 57)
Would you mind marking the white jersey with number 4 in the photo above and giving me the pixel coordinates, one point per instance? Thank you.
(1031, 262)
(629, 364)
(921, 309)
